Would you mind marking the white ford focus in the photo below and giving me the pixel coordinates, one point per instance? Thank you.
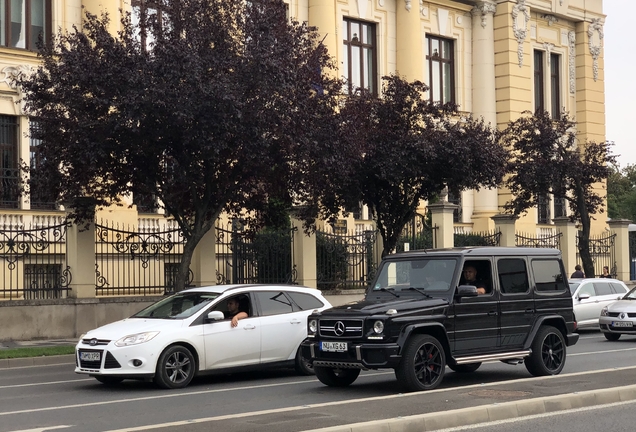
(191, 332)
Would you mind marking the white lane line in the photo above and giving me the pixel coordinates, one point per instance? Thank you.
(349, 401)
(45, 383)
(600, 352)
(44, 429)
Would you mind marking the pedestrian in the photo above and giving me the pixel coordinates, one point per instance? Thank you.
(578, 273)
(606, 273)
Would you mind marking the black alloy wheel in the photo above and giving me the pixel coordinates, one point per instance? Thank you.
(548, 352)
(336, 377)
(423, 364)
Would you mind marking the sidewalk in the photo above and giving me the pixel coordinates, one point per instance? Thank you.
(37, 361)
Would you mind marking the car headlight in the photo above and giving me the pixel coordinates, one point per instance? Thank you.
(604, 311)
(378, 327)
(136, 339)
(313, 326)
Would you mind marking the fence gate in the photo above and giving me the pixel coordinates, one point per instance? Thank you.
(34, 264)
(137, 262)
(538, 240)
(632, 255)
(417, 234)
(345, 261)
(246, 256)
(603, 251)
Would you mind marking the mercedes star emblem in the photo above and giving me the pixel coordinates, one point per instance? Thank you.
(339, 328)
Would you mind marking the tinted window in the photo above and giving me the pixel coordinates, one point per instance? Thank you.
(513, 277)
(602, 288)
(618, 288)
(305, 301)
(588, 289)
(273, 303)
(574, 286)
(548, 275)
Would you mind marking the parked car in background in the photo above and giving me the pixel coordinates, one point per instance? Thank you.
(619, 318)
(188, 333)
(590, 295)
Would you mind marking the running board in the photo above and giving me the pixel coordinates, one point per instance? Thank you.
(489, 357)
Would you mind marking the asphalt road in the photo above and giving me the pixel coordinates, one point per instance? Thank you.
(42, 398)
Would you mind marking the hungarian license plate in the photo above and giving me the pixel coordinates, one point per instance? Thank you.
(90, 356)
(333, 346)
(622, 324)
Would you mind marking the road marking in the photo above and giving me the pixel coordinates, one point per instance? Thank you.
(600, 352)
(45, 383)
(44, 429)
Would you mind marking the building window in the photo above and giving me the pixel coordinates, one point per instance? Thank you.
(40, 194)
(9, 168)
(559, 207)
(147, 11)
(440, 57)
(543, 209)
(23, 22)
(555, 88)
(539, 88)
(457, 200)
(359, 59)
(146, 203)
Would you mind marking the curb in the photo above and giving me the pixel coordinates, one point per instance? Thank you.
(492, 412)
(37, 361)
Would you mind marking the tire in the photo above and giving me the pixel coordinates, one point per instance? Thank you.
(423, 364)
(302, 366)
(612, 336)
(175, 368)
(548, 352)
(108, 380)
(465, 368)
(336, 377)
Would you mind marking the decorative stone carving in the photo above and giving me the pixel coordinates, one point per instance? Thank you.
(520, 18)
(548, 49)
(484, 8)
(423, 9)
(595, 48)
(551, 19)
(572, 62)
(11, 73)
(381, 3)
(407, 5)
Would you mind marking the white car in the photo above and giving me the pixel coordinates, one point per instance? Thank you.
(185, 334)
(591, 295)
(619, 318)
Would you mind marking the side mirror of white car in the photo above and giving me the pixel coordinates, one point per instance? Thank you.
(215, 316)
(584, 296)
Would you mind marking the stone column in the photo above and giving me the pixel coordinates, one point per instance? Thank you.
(484, 99)
(80, 256)
(568, 242)
(442, 220)
(409, 41)
(505, 224)
(322, 14)
(620, 228)
(203, 262)
(304, 256)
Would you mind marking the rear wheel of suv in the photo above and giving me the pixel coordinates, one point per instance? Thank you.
(465, 368)
(336, 377)
(548, 352)
(612, 336)
(423, 364)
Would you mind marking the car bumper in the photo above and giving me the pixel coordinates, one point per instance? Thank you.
(616, 325)
(358, 355)
(131, 361)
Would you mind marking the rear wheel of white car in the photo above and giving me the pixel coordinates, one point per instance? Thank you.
(612, 336)
(175, 368)
(336, 377)
(108, 380)
(303, 366)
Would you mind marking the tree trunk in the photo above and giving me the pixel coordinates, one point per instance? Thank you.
(584, 238)
(181, 280)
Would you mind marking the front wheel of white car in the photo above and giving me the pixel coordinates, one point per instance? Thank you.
(175, 368)
(303, 366)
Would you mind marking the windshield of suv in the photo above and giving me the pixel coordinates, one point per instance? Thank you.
(429, 276)
(178, 306)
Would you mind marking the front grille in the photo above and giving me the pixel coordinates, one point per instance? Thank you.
(617, 314)
(96, 342)
(90, 364)
(346, 328)
(111, 362)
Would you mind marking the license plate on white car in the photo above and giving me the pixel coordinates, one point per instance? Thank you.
(333, 346)
(90, 356)
(622, 324)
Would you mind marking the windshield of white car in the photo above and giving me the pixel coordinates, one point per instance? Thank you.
(631, 295)
(423, 275)
(178, 306)
(574, 286)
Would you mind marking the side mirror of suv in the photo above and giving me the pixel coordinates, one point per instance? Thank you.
(467, 291)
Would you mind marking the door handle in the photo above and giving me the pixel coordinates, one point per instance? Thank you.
(249, 327)
(529, 311)
(295, 322)
(492, 313)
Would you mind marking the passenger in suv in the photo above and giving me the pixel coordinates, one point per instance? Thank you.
(418, 317)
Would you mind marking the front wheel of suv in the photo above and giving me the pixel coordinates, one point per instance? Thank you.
(423, 364)
(336, 377)
(548, 352)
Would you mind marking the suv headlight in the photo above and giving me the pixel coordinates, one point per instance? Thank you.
(378, 327)
(136, 339)
(604, 311)
(312, 327)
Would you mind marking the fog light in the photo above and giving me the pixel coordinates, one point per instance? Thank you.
(137, 362)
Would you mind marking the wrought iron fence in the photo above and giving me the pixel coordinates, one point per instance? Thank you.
(345, 261)
(34, 264)
(486, 238)
(417, 234)
(137, 262)
(539, 240)
(247, 256)
(603, 251)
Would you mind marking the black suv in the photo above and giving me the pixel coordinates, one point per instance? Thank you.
(420, 315)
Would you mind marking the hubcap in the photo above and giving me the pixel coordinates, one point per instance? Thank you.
(428, 364)
(178, 367)
(553, 351)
